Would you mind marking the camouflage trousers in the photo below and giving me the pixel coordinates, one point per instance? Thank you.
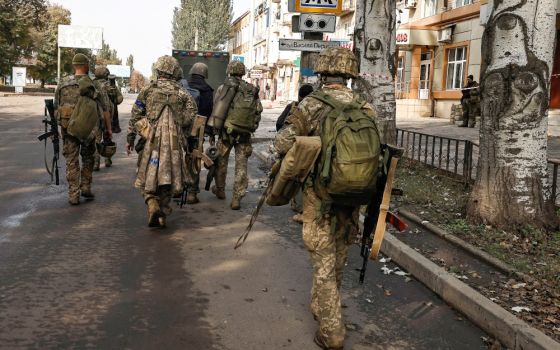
(470, 111)
(78, 178)
(329, 252)
(163, 196)
(243, 151)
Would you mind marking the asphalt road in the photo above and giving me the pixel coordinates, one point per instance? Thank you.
(96, 277)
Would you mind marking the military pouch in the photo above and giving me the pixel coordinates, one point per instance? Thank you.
(64, 114)
(143, 128)
(296, 167)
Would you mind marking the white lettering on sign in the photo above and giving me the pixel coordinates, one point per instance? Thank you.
(319, 6)
(306, 45)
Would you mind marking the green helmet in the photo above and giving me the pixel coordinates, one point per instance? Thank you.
(236, 68)
(337, 61)
(106, 149)
(101, 72)
(200, 68)
(80, 59)
(166, 65)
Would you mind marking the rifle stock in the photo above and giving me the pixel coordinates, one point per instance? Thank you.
(51, 125)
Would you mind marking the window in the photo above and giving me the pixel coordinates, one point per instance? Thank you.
(456, 63)
(459, 3)
(400, 71)
(429, 8)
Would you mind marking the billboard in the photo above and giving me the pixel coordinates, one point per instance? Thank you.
(19, 75)
(81, 37)
(120, 71)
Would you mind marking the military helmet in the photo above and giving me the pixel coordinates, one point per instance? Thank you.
(166, 65)
(80, 59)
(178, 74)
(106, 148)
(337, 61)
(236, 68)
(101, 72)
(200, 68)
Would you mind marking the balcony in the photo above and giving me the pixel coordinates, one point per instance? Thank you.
(348, 7)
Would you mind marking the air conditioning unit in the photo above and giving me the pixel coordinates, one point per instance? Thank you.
(445, 35)
(410, 4)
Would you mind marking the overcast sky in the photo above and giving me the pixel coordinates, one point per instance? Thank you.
(138, 27)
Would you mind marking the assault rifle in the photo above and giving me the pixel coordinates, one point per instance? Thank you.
(378, 214)
(51, 131)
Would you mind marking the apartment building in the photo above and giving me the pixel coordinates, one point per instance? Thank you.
(255, 36)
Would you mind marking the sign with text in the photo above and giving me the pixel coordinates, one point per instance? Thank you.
(80, 37)
(403, 36)
(19, 76)
(256, 74)
(306, 45)
(238, 58)
(319, 6)
(119, 70)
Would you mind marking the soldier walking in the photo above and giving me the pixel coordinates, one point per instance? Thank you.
(163, 115)
(116, 98)
(101, 84)
(470, 101)
(242, 120)
(66, 98)
(331, 223)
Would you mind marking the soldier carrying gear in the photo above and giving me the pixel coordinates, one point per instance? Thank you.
(242, 119)
(197, 80)
(341, 182)
(470, 101)
(116, 98)
(67, 96)
(162, 114)
(102, 85)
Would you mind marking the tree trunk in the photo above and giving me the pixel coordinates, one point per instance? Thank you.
(374, 44)
(512, 189)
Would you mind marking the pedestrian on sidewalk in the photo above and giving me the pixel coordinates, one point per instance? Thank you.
(67, 95)
(329, 223)
(163, 114)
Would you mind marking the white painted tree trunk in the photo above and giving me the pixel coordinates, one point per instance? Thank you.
(512, 189)
(374, 42)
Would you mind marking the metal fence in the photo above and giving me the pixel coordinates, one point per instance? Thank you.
(456, 157)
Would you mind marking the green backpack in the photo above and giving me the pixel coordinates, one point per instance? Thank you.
(244, 111)
(347, 168)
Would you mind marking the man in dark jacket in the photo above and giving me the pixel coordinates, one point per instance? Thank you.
(197, 80)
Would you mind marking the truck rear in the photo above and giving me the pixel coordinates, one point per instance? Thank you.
(216, 61)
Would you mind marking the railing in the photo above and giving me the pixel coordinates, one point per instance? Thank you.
(458, 158)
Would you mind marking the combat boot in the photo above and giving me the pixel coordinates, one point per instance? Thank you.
(86, 193)
(154, 213)
(96, 165)
(192, 198)
(322, 344)
(219, 193)
(74, 200)
(162, 221)
(108, 162)
(236, 203)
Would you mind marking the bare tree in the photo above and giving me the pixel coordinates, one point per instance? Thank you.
(375, 46)
(511, 189)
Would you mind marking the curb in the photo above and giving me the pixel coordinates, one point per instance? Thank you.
(492, 318)
(458, 242)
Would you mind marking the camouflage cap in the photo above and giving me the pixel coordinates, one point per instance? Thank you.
(337, 61)
(199, 68)
(80, 59)
(101, 72)
(166, 65)
(236, 68)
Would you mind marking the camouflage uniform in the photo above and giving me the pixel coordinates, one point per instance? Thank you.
(116, 98)
(79, 179)
(328, 247)
(148, 106)
(102, 86)
(243, 150)
(470, 101)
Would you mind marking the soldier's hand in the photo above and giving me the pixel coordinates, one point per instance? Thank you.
(129, 149)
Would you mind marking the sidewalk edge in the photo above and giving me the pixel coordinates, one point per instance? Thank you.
(508, 329)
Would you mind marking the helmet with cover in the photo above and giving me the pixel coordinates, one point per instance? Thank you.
(337, 62)
(166, 65)
(101, 72)
(236, 68)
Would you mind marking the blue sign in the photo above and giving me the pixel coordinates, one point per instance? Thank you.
(238, 58)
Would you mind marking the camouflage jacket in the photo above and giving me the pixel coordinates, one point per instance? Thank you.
(306, 120)
(102, 86)
(154, 97)
(115, 95)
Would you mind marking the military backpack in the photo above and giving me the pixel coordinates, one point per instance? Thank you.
(347, 169)
(244, 112)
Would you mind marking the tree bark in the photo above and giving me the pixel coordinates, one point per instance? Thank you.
(375, 47)
(511, 189)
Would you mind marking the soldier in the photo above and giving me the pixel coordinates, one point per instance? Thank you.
(116, 98)
(102, 86)
(470, 101)
(66, 97)
(242, 119)
(197, 80)
(164, 94)
(328, 227)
